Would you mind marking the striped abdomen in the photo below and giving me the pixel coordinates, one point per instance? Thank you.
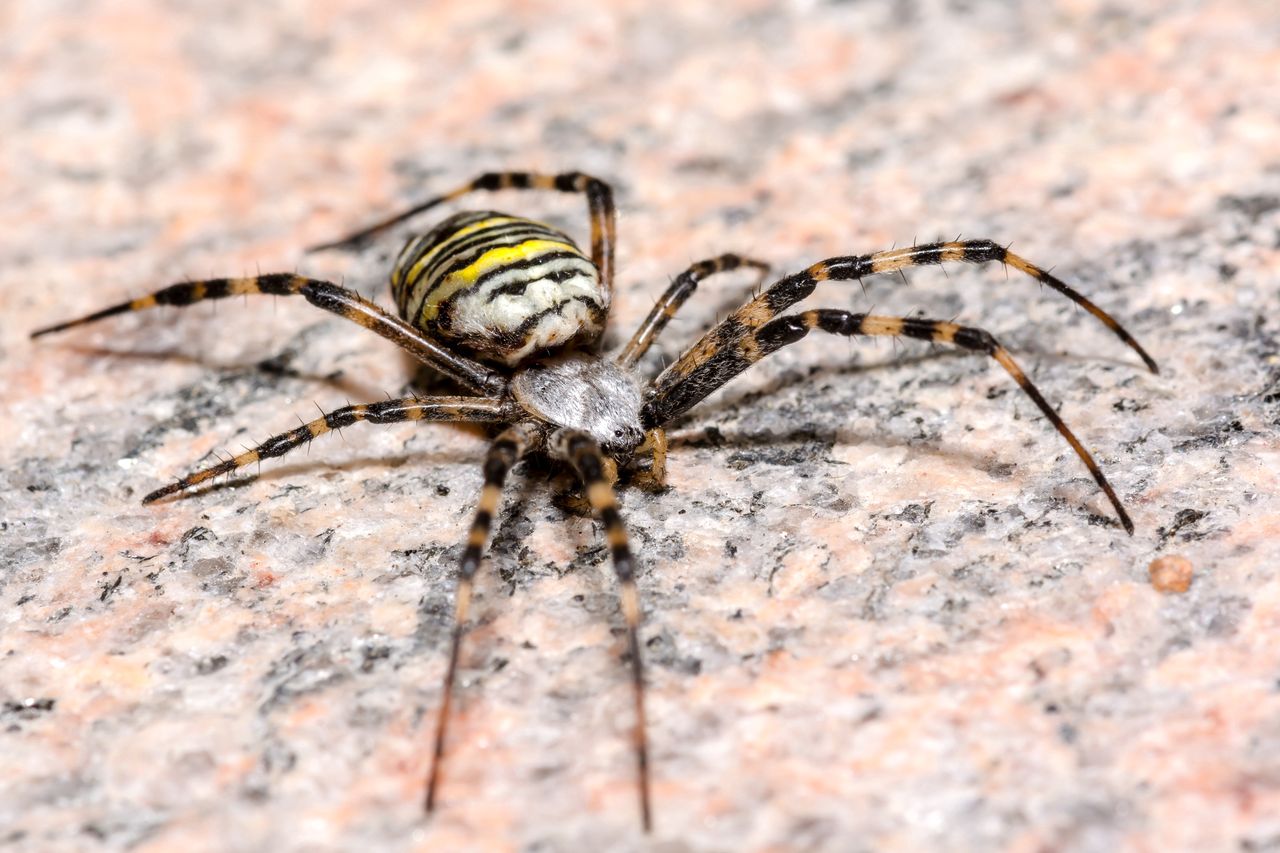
(499, 287)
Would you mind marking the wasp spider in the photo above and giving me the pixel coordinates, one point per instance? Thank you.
(513, 311)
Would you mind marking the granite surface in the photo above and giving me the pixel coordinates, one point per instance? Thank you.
(886, 608)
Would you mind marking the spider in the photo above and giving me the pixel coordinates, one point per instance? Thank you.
(513, 311)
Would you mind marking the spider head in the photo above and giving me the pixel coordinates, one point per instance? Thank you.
(623, 441)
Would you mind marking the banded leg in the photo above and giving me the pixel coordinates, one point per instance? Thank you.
(676, 295)
(581, 451)
(457, 409)
(322, 294)
(728, 362)
(790, 290)
(599, 206)
(507, 449)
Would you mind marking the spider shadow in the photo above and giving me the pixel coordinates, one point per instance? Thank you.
(731, 439)
(734, 404)
(729, 403)
(508, 571)
(274, 366)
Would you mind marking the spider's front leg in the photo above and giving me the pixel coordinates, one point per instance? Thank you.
(456, 409)
(647, 469)
(591, 465)
(715, 366)
(507, 449)
(792, 289)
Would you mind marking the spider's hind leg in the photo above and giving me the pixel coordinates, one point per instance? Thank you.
(600, 208)
(507, 449)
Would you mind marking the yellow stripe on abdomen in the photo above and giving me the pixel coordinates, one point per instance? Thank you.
(444, 247)
(490, 261)
(499, 287)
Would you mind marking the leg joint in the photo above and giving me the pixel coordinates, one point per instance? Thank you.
(496, 467)
(324, 295)
(982, 251)
(576, 182)
(836, 321)
(780, 332)
(789, 291)
(847, 268)
(976, 339)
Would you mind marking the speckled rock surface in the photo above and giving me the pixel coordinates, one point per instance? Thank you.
(885, 606)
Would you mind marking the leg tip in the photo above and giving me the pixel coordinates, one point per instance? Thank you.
(351, 243)
(162, 492)
(325, 247)
(49, 330)
(429, 801)
(1126, 522)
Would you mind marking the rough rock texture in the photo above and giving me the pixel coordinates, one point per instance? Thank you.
(885, 606)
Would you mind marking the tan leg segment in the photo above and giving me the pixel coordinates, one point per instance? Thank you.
(675, 296)
(653, 478)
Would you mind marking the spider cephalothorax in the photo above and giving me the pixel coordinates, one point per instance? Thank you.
(512, 311)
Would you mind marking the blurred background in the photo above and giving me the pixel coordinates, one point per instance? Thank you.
(886, 608)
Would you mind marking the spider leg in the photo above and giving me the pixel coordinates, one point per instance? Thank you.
(654, 476)
(507, 449)
(600, 206)
(675, 296)
(727, 362)
(793, 288)
(582, 452)
(458, 409)
(322, 294)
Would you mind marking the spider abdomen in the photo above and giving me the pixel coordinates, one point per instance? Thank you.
(501, 287)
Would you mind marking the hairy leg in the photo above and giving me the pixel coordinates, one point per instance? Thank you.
(582, 452)
(793, 288)
(728, 362)
(677, 293)
(460, 409)
(507, 449)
